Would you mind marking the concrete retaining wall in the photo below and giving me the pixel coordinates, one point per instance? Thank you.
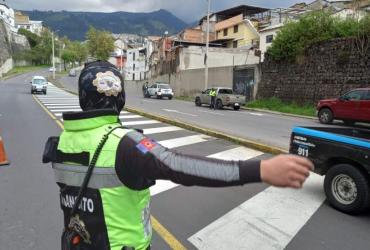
(327, 70)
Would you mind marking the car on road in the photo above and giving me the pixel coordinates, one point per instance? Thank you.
(52, 69)
(342, 155)
(72, 73)
(39, 85)
(160, 90)
(354, 106)
(224, 97)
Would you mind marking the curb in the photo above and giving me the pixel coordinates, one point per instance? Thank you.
(279, 113)
(214, 133)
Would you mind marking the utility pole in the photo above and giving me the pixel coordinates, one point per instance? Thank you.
(52, 41)
(60, 57)
(207, 46)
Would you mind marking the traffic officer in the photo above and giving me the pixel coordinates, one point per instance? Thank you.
(104, 170)
(213, 94)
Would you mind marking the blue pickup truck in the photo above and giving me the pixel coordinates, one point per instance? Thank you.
(343, 156)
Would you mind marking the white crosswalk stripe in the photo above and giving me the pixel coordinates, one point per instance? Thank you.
(269, 220)
(150, 131)
(145, 122)
(123, 117)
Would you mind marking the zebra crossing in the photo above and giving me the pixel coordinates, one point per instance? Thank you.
(257, 233)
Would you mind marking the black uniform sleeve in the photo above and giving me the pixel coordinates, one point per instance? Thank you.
(140, 161)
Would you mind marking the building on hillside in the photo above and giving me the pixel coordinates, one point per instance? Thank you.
(268, 29)
(237, 27)
(136, 67)
(237, 32)
(328, 5)
(196, 35)
(267, 35)
(23, 22)
(7, 15)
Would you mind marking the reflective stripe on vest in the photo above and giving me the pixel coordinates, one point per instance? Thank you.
(73, 175)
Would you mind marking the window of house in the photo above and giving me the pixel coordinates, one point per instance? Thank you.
(269, 38)
(236, 28)
(133, 57)
(225, 32)
(134, 67)
(235, 44)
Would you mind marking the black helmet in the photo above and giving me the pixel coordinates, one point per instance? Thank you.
(101, 86)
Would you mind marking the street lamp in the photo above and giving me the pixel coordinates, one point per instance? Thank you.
(207, 46)
(52, 41)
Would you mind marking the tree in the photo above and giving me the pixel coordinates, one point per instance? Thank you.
(295, 37)
(80, 51)
(32, 38)
(68, 56)
(100, 43)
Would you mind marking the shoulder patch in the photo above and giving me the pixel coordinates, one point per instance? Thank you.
(146, 145)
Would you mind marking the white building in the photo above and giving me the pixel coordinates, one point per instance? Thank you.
(136, 67)
(24, 22)
(267, 35)
(7, 15)
(137, 64)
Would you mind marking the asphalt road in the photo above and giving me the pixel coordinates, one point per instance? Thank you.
(251, 217)
(266, 128)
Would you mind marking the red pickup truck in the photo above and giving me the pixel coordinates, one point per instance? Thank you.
(354, 106)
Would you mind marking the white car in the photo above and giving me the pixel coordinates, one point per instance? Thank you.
(52, 69)
(160, 90)
(39, 85)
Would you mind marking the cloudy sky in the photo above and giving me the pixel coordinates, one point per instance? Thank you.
(187, 10)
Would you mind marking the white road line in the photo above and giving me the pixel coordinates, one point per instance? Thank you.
(179, 112)
(210, 112)
(63, 107)
(150, 131)
(183, 141)
(59, 99)
(66, 110)
(269, 220)
(61, 104)
(162, 186)
(124, 112)
(130, 123)
(129, 117)
(255, 114)
(239, 153)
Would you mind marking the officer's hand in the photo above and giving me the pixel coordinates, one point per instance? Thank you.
(286, 171)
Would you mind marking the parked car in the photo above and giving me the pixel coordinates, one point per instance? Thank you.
(160, 90)
(354, 106)
(224, 97)
(52, 69)
(72, 73)
(342, 155)
(39, 85)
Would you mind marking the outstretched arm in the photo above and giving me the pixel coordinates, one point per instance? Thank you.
(140, 161)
